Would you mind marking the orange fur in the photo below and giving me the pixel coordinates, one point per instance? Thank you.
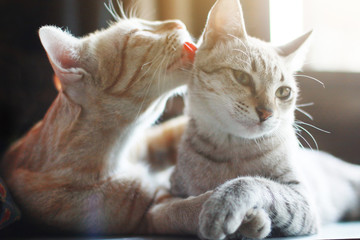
(76, 169)
(162, 142)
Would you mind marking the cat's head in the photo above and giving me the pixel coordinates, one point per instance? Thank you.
(242, 85)
(133, 61)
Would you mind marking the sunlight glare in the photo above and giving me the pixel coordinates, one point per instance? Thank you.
(286, 20)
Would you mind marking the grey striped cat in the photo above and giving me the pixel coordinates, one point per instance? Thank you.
(240, 140)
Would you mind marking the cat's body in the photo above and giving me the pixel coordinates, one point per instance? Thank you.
(330, 185)
(73, 170)
(241, 141)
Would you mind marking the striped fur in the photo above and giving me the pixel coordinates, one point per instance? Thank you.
(240, 140)
(76, 169)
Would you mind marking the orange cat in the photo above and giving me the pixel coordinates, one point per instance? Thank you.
(73, 170)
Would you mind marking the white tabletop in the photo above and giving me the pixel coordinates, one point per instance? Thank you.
(346, 230)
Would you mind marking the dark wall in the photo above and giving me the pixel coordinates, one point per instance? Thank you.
(26, 76)
(336, 109)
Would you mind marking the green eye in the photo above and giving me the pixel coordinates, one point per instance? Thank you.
(283, 93)
(242, 78)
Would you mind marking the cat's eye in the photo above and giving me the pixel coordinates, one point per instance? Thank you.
(283, 93)
(242, 78)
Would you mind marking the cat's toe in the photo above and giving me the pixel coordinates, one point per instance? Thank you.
(210, 226)
(258, 227)
(217, 220)
(231, 222)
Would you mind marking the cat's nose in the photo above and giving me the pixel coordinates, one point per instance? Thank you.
(263, 113)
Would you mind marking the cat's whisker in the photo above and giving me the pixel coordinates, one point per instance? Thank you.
(165, 62)
(191, 70)
(150, 65)
(305, 113)
(135, 10)
(156, 59)
(171, 35)
(305, 104)
(148, 85)
(145, 64)
(310, 135)
(301, 145)
(310, 125)
(257, 144)
(297, 132)
(150, 82)
(162, 73)
(243, 52)
(121, 9)
(141, 76)
(249, 64)
(157, 73)
(111, 9)
(237, 38)
(185, 70)
(309, 77)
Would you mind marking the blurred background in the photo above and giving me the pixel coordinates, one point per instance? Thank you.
(26, 76)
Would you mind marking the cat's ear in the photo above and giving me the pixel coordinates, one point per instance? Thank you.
(63, 51)
(225, 20)
(294, 52)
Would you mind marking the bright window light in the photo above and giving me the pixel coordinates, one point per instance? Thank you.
(286, 20)
(335, 44)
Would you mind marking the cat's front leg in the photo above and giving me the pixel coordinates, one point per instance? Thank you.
(233, 211)
(253, 206)
(173, 215)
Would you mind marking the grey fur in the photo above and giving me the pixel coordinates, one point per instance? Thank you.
(264, 182)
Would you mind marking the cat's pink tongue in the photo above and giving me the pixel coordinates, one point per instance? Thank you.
(189, 50)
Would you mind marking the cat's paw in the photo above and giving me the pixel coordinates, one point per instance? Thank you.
(216, 220)
(256, 224)
(220, 219)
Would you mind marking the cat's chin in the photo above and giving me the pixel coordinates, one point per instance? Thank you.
(255, 131)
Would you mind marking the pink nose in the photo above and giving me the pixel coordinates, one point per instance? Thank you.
(263, 113)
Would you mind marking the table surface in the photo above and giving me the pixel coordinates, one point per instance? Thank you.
(346, 230)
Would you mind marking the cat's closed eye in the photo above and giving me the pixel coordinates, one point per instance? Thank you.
(243, 78)
(283, 93)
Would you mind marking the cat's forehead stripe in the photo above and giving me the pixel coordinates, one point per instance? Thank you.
(253, 65)
(268, 64)
(282, 78)
(122, 60)
(262, 61)
(274, 69)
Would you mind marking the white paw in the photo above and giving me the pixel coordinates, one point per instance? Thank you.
(256, 224)
(220, 219)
